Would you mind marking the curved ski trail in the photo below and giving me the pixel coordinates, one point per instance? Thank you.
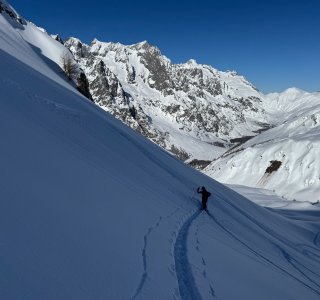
(144, 275)
(187, 287)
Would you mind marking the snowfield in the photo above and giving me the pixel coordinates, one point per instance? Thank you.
(294, 142)
(90, 209)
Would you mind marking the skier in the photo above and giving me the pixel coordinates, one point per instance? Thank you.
(205, 196)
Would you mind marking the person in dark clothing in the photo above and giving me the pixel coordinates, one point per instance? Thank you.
(133, 112)
(205, 196)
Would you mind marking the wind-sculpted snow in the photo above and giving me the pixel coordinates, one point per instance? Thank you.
(92, 210)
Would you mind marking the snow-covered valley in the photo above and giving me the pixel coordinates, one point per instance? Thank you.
(90, 209)
(285, 158)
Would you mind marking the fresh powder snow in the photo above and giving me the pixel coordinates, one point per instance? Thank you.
(90, 209)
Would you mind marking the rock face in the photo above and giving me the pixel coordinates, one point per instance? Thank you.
(83, 85)
(189, 109)
(57, 38)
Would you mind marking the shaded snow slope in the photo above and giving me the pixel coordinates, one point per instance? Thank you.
(91, 210)
(32, 46)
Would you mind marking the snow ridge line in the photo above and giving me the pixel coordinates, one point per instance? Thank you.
(261, 256)
(187, 286)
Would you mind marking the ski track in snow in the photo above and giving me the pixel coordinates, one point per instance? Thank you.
(144, 259)
(187, 286)
(268, 260)
(144, 275)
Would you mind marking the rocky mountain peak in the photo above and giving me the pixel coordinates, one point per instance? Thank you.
(166, 101)
(144, 45)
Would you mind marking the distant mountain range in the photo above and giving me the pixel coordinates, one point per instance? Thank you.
(192, 110)
(215, 121)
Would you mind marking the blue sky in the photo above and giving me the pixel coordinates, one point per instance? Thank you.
(274, 44)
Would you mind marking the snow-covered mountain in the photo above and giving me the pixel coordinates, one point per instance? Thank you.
(196, 112)
(284, 158)
(201, 114)
(90, 209)
(190, 109)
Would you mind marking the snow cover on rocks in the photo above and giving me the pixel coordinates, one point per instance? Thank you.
(201, 114)
(190, 109)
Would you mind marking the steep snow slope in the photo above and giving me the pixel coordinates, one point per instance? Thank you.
(38, 44)
(30, 43)
(82, 219)
(294, 143)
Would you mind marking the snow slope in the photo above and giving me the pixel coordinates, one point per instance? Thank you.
(91, 210)
(294, 141)
(270, 199)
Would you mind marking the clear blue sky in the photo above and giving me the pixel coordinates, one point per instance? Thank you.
(274, 44)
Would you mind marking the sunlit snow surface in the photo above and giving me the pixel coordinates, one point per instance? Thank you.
(269, 199)
(91, 210)
(294, 141)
